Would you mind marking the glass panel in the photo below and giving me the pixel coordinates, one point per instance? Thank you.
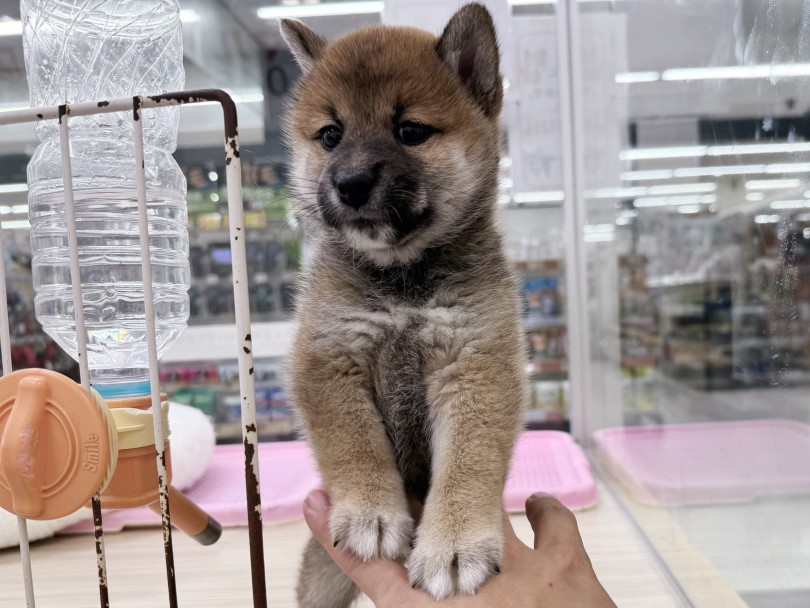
(696, 153)
(531, 210)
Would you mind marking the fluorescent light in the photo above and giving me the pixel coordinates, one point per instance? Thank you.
(13, 210)
(617, 192)
(11, 27)
(237, 98)
(325, 9)
(15, 224)
(733, 72)
(754, 196)
(767, 219)
(667, 201)
(697, 188)
(777, 70)
(795, 204)
(13, 188)
(772, 184)
(546, 196)
(788, 168)
(690, 209)
(634, 77)
(718, 171)
(758, 148)
(669, 152)
(189, 15)
(639, 176)
(724, 150)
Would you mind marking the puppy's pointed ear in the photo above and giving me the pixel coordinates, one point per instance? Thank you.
(470, 47)
(306, 46)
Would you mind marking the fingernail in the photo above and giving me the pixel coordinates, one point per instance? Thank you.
(317, 501)
(497, 568)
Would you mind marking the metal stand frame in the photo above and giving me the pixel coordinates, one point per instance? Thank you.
(136, 105)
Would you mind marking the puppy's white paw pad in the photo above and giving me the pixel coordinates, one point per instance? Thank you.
(441, 570)
(372, 533)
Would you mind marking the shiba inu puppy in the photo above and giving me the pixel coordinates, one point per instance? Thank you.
(408, 364)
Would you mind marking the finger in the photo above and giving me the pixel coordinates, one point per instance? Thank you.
(513, 550)
(551, 521)
(377, 578)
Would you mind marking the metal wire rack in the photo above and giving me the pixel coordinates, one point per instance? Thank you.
(135, 106)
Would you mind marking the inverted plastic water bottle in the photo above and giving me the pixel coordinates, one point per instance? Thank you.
(84, 51)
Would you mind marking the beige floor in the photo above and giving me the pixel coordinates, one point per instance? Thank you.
(218, 576)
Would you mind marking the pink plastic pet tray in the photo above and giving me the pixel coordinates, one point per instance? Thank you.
(717, 462)
(552, 462)
(544, 460)
(287, 474)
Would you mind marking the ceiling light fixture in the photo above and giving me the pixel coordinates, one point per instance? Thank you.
(730, 72)
(795, 204)
(546, 196)
(324, 9)
(696, 188)
(639, 176)
(719, 171)
(4, 188)
(736, 72)
(634, 77)
(700, 151)
(11, 27)
(772, 184)
(667, 201)
(189, 15)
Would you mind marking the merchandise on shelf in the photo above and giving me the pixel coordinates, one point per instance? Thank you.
(213, 388)
(543, 301)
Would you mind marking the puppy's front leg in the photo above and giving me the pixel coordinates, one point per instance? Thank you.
(369, 513)
(476, 412)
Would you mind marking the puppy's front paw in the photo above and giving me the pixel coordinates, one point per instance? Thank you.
(372, 531)
(443, 563)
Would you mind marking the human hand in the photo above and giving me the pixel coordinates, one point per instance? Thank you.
(556, 573)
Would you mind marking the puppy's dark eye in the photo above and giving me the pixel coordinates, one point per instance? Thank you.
(330, 137)
(413, 133)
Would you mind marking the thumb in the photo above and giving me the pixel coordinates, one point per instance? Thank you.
(384, 581)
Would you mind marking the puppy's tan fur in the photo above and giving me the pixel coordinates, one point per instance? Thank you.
(407, 368)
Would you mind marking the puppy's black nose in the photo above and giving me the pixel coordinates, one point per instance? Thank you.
(354, 189)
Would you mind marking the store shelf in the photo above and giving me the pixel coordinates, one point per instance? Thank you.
(538, 322)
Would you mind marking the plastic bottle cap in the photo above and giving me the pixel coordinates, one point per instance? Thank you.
(58, 445)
